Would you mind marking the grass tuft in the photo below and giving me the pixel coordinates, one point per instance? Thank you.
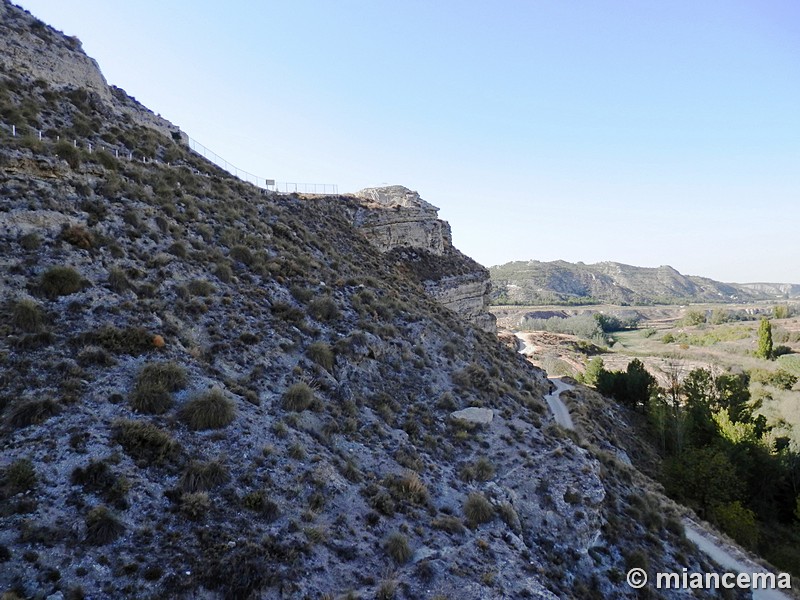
(32, 412)
(19, 476)
(477, 509)
(210, 410)
(203, 476)
(397, 548)
(170, 375)
(321, 353)
(60, 281)
(146, 442)
(27, 316)
(323, 309)
(298, 397)
(102, 526)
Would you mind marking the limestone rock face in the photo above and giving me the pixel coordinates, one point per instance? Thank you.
(40, 52)
(396, 219)
(467, 295)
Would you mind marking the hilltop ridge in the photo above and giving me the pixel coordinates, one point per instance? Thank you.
(561, 282)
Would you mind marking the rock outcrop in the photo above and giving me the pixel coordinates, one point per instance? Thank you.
(29, 47)
(396, 220)
(398, 217)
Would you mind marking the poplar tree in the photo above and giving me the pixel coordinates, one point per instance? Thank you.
(764, 339)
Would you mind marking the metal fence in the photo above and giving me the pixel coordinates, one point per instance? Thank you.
(283, 187)
(262, 182)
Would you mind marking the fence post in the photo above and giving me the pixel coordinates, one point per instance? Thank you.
(40, 135)
(13, 131)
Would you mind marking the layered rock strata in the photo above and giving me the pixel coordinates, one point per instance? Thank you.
(397, 220)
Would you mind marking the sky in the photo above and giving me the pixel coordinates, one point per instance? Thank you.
(647, 133)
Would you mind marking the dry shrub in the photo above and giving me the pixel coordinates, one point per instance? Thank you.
(102, 526)
(477, 509)
(210, 410)
(298, 397)
(203, 476)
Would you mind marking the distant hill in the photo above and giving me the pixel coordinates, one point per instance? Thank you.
(561, 282)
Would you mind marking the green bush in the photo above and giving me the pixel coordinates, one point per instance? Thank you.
(409, 487)
(178, 249)
(195, 505)
(118, 281)
(203, 476)
(169, 375)
(27, 316)
(30, 241)
(477, 509)
(258, 502)
(210, 410)
(69, 153)
(397, 548)
(242, 254)
(60, 281)
(322, 354)
(223, 272)
(19, 476)
(692, 317)
(128, 340)
(146, 442)
(102, 526)
(323, 309)
(32, 412)
(298, 397)
(199, 287)
(484, 469)
(150, 397)
(738, 522)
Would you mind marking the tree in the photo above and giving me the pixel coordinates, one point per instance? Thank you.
(738, 522)
(701, 396)
(781, 311)
(703, 477)
(639, 382)
(764, 339)
(733, 394)
(593, 369)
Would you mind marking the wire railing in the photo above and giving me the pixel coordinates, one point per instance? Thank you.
(262, 182)
(281, 187)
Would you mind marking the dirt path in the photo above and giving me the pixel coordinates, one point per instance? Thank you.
(557, 406)
(729, 557)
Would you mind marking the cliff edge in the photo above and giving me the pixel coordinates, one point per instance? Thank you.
(398, 222)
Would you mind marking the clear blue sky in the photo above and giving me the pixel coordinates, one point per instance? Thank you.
(636, 131)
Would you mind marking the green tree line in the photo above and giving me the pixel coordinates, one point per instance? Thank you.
(719, 456)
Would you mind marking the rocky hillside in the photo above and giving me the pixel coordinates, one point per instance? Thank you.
(560, 282)
(775, 290)
(212, 392)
